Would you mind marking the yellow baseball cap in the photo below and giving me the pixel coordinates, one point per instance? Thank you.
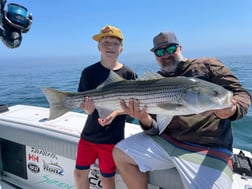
(108, 31)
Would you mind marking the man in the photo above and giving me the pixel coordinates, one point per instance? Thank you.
(99, 136)
(200, 145)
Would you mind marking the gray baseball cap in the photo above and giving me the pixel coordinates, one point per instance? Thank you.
(164, 39)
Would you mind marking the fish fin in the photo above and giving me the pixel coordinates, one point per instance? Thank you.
(148, 75)
(103, 112)
(112, 77)
(163, 121)
(56, 101)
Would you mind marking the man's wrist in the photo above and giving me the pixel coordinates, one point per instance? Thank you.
(144, 127)
(152, 129)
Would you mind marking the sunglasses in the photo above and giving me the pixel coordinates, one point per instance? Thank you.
(170, 50)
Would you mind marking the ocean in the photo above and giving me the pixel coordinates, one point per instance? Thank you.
(21, 80)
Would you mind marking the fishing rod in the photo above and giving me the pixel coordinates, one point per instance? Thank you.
(13, 22)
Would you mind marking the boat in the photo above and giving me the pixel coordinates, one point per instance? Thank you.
(38, 153)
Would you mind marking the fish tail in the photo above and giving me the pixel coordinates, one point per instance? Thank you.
(56, 100)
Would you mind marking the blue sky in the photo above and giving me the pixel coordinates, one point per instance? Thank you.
(204, 27)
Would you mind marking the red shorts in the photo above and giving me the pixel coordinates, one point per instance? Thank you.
(88, 152)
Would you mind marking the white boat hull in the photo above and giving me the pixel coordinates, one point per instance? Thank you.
(36, 153)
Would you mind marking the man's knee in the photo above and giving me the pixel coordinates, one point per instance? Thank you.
(121, 158)
(116, 154)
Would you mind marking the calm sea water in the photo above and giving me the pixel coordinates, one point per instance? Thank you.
(21, 80)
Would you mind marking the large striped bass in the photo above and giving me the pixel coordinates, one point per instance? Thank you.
(165, 97)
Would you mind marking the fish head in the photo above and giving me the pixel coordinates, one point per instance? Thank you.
(206, 96)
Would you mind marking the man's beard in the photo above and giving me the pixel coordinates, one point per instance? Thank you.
(169, 65)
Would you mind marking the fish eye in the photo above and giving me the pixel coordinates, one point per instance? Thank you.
(215, 93)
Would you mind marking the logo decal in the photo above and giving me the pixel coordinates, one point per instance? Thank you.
(33, 168)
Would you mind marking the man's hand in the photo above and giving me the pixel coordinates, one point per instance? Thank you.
(133, 110)
(227, 112)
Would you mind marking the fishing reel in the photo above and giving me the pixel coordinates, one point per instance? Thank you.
(14, 22)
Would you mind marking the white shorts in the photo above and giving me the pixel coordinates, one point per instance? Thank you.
(198, 166)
